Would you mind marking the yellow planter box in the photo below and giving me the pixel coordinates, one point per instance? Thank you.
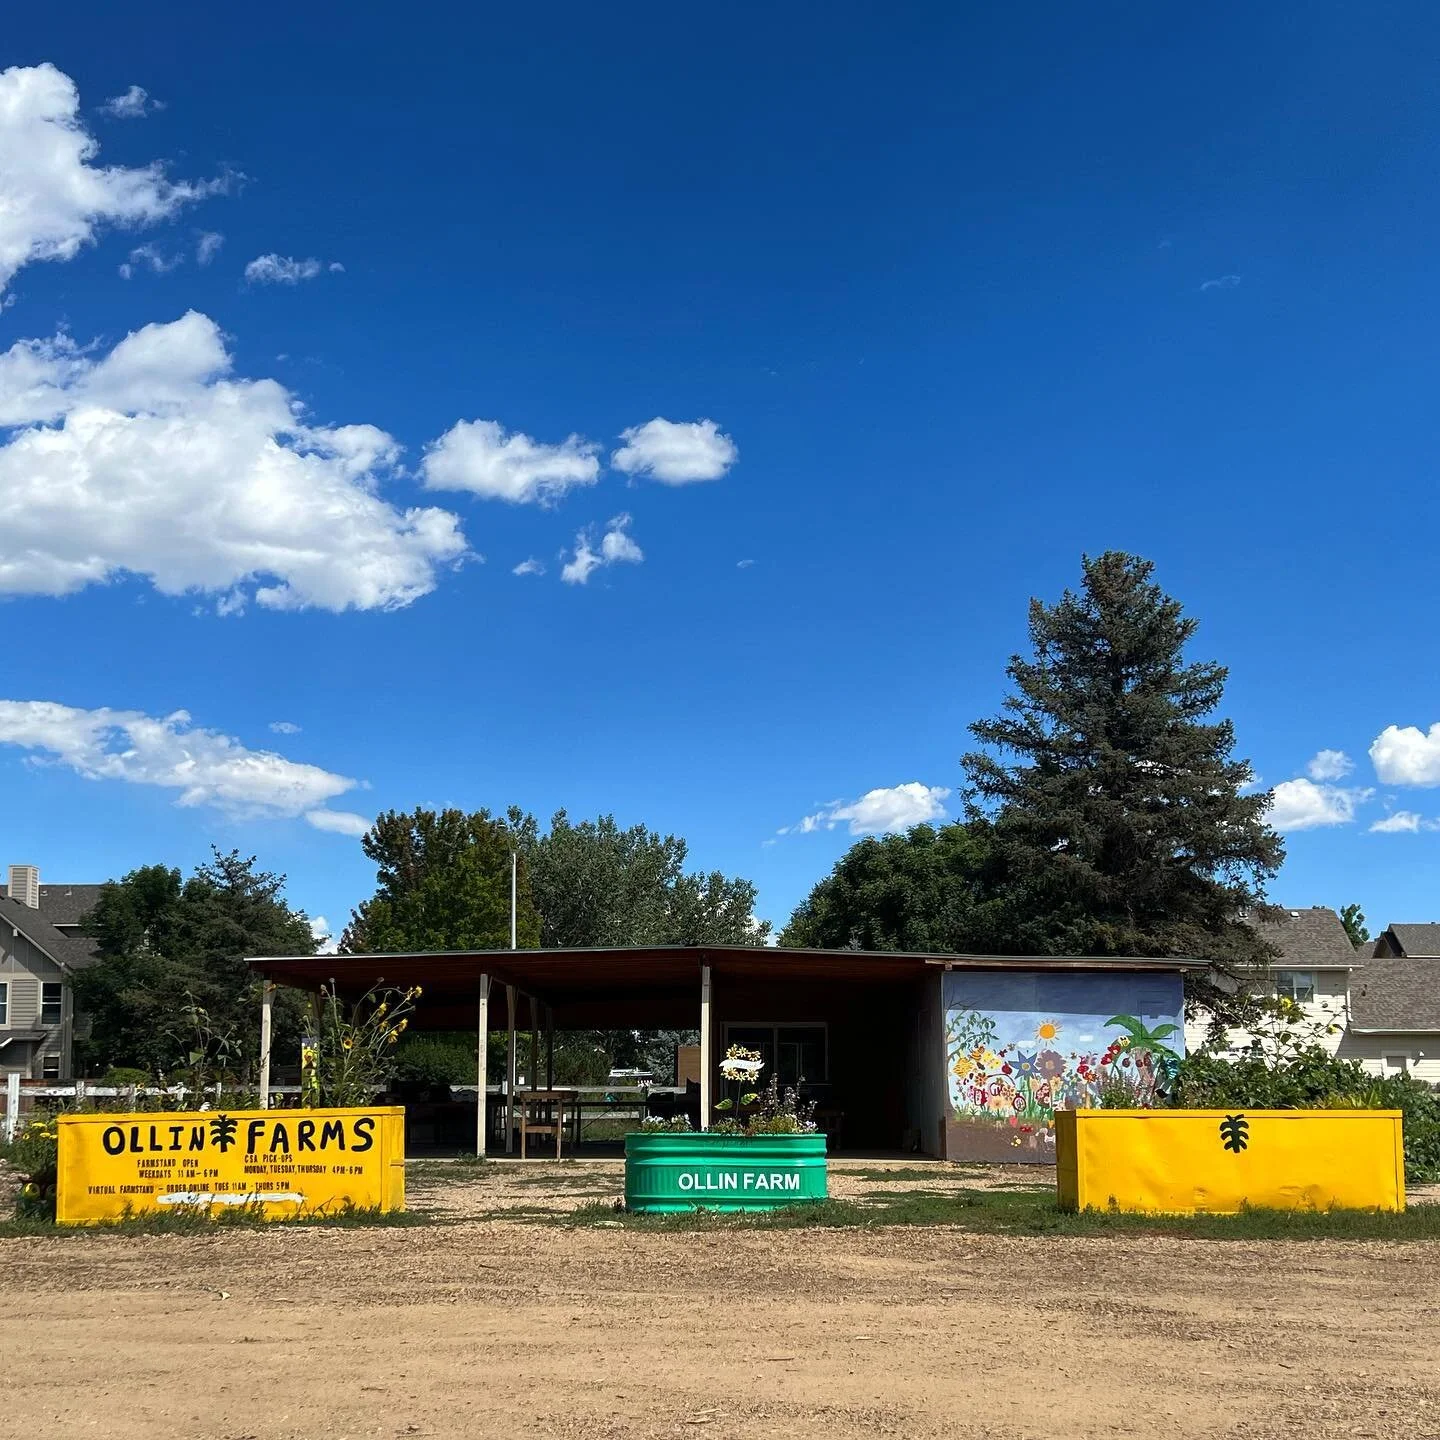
(1181, 1161)
(283, 1162)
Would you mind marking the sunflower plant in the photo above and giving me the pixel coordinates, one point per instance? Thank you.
(353, 1054)
(35, 1155)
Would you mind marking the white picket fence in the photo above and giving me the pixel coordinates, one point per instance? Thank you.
(21, 1100)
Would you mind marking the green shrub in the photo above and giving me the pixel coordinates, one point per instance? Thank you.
(1313, 1079)
(125, 1075)
(35, 1154)
(434, 1060)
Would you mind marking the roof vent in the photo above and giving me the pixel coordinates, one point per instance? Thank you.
(25, 885)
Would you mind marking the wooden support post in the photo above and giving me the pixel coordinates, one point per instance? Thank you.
(267, 1004)
(549, 1048)
(705, 1056)
(510, 1070)
(482, 1068)
(534, 1043)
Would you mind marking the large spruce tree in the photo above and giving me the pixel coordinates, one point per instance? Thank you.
(1121, 823)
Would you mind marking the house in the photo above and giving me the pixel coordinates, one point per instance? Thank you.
(1313, 966)
(1407, 942)
(1394, 1024)
(41, 947)
(1378, 1003)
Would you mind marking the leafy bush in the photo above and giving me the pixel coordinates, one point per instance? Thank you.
(578, 1062)
(35, 1154)
(125, 1075)
(1310, 1078)
(434, 1060)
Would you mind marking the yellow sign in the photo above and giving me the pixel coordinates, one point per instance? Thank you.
(284, 1162)
(1181, 1161)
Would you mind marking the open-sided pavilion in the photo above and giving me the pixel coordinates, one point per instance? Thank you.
(868, 1031)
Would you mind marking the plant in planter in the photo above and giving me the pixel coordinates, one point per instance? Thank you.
(763, 1152)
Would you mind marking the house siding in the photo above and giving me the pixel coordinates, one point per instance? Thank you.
(24, 967)
(1328, 1013)
(1420, 1050)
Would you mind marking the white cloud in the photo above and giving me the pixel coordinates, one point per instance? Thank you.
(1402, 822)
(339, 822)
(1407, 755)
(743, 564)
(52, 199)
(320, 931)
(280, 270)
(207, 247)
(150, 257)
(153, 460)
(1330, 765)
(481, 457)
(134, 104)
(890, 808)
(335, 268)
(529, 567)
(206, 767)
(284, 727)
(1304, 805)
(1221, 282)
(616, 547)
(675, 452)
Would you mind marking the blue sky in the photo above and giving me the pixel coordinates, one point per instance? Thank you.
(965, 292)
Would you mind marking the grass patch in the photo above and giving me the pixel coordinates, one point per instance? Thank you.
(1001, 1212)
(194, 1220)
(940, 1171)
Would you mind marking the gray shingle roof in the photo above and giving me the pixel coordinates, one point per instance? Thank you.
(1308, 938)
(1417, 939)
(68, 904)
(75, 951)
(1395, 994)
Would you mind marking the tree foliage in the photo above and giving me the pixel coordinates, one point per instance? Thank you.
(596, 884)
(1120, 819)
(921, 891)
(166, 944)
(443, 883)
(1353, 919)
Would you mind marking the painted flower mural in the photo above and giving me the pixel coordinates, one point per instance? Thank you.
(1011, 1065)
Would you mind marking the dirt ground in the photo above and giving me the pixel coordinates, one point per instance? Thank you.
(493, 1326)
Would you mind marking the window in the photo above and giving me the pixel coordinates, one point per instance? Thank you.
(1397, 1064)
(1296, 985)
(4, 1002)
(49, 1067)
(791, 1052)
(52, 1002)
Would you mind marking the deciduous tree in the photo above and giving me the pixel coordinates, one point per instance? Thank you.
(443, 883)
(921, 891)
(161, 940)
